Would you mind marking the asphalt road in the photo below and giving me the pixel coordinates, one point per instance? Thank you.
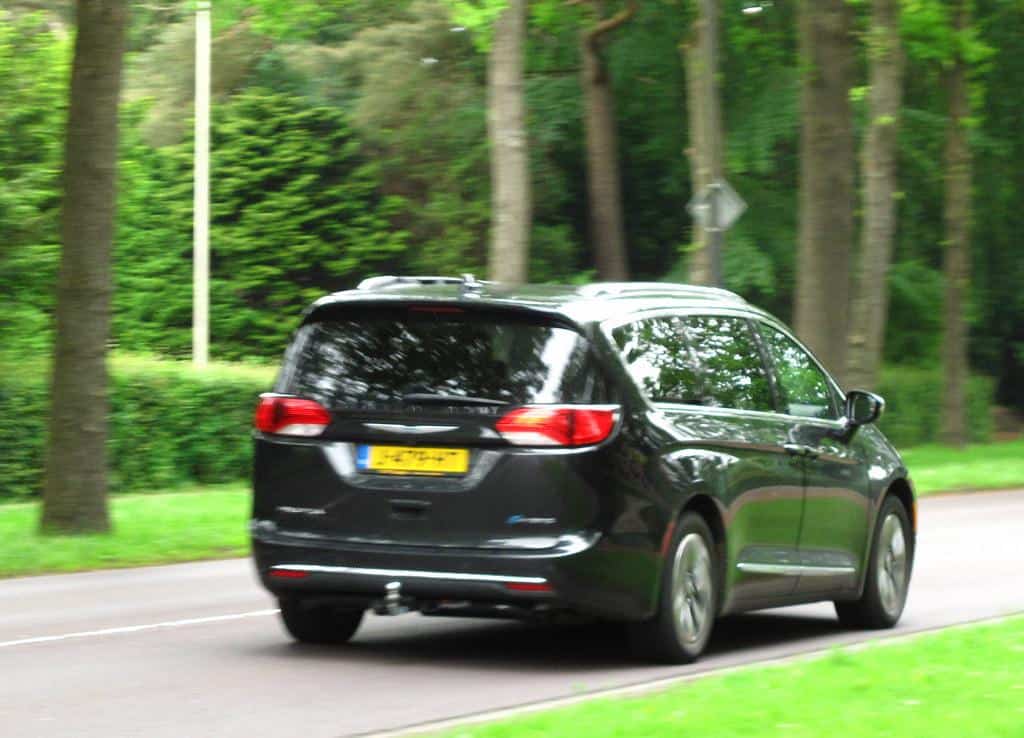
(196, 649)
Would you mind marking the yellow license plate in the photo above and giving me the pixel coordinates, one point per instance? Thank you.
(412, 460)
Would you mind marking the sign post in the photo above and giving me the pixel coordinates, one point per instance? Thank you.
(716, 209)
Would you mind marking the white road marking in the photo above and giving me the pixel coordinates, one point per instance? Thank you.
(136, 628)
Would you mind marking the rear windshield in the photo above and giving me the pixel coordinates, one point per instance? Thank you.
(397, 358)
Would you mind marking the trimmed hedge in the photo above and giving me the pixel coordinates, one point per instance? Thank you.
(173, 425)
(913, 413)
(170, 424)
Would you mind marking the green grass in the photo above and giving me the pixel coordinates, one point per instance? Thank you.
(205, 523)
(986, 466)
(961, 683)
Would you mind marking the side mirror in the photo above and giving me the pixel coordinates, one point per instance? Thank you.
(863, 407)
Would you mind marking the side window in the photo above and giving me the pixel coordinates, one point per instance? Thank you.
(659, 360)
(805, 391)
(731, 365)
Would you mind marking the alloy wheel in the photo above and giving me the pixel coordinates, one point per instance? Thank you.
(892, 565)
(692, 589)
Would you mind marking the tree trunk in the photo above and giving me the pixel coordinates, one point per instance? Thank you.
(705, 112)
(603, 180)
(878, 166)
(956, 262)
(510, 165)
(74, 495)
(826, 179)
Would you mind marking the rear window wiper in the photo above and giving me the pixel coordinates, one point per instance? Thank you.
(444, 399)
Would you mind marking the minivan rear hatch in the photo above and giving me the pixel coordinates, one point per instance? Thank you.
(445, 424)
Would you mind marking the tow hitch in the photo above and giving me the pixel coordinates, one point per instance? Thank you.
(392, 602)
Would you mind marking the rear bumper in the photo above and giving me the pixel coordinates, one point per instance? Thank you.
(575, 576)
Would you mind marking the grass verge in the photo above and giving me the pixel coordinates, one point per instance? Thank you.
(960, 683)
(203, 523)
(984, 466)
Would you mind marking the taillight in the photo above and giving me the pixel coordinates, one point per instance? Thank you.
(558, 425)
(529, 587)
(290, 416)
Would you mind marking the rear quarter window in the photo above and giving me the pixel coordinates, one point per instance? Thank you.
(696, 360)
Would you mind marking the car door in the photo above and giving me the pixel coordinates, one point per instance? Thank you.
(834, 530)
(704, 374)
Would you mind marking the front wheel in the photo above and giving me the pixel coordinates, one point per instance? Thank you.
(888, 577)
(688, 605)
(318, 622)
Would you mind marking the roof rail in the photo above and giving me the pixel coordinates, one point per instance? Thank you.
(614, 289)
(376, 283)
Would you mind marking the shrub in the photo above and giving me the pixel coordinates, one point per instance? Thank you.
(913, 412)
(296, 211)
(169, 425)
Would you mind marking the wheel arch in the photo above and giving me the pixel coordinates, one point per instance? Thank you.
(901, 489)
(708, 508)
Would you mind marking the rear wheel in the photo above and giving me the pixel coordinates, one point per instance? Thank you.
(888, 577)
(318, 622)
(688, 604)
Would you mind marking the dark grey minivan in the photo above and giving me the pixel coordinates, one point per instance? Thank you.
(655, 454)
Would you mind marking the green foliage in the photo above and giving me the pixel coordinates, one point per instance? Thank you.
(33, 83)
(478, 17)
(913, 406)
(350, 138)
(914, 328)
(34, 64)
(650, 87)
(421, 109)
(170, 424)
(296, 212)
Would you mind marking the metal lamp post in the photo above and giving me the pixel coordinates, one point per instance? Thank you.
(201, 193)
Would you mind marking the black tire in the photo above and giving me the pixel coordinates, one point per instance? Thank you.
(887, 581)
(318, 622)
(674, 634)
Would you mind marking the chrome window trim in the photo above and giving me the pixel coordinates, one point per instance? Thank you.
(712, 410)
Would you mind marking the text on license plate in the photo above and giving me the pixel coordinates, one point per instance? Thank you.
(412, 460)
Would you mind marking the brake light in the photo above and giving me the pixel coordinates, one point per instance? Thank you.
(558, 425)
(290, 416)
(529, 587)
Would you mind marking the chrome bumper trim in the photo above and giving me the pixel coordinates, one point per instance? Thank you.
(410, 574)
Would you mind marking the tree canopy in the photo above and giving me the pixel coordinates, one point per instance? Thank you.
(350, 139)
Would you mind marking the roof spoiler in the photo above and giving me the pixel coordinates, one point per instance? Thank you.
(391, 280)
(468, 282)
